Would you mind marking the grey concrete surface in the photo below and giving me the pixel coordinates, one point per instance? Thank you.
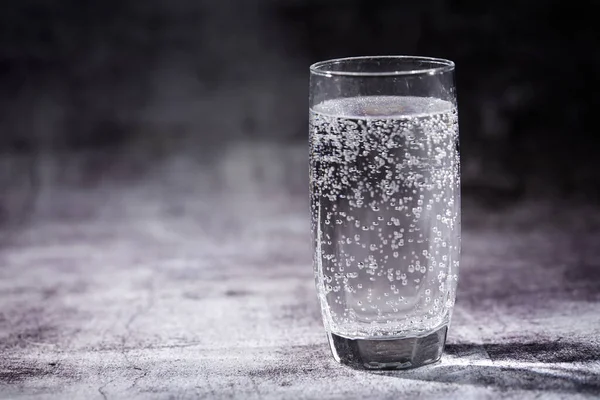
(195, 281)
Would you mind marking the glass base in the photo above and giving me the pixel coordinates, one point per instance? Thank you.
(394, 353)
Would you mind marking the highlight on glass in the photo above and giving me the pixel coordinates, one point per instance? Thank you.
(385, 206)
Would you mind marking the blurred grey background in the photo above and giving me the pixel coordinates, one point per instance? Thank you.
(108, 90)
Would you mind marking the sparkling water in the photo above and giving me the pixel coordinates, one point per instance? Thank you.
(385, 199)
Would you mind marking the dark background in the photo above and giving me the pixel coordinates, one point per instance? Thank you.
(97, 90)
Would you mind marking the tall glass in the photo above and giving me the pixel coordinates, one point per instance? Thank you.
(385, 206)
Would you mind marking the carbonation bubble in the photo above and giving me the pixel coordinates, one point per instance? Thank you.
(384, 179)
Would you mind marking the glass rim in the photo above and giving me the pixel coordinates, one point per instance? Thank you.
(438, 66)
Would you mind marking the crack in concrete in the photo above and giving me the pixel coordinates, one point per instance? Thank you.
(124, 350)
(101, 391)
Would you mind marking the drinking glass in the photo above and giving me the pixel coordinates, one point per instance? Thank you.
(385, 206)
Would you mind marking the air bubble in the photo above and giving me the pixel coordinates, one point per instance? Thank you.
(337, 176)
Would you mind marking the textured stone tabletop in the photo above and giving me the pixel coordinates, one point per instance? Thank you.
(195, 281)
